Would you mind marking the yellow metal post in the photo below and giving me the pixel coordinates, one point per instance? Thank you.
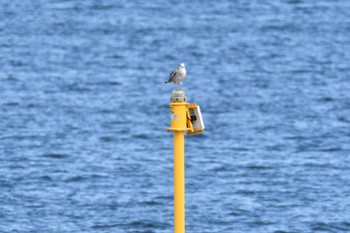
(179, 126)
(179, 182)
(182, 117)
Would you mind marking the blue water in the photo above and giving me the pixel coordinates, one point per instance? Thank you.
(84, 107)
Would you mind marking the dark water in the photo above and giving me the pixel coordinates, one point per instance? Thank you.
(83, 108)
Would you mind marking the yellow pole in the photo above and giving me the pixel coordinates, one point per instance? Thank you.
(179, 182)
(179, 125)
(181, 122)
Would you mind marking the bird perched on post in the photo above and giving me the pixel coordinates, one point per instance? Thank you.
(178, 75)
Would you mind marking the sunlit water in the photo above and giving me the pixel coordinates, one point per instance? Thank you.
(84, 107)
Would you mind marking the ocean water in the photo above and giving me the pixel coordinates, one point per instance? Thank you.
(84, 107)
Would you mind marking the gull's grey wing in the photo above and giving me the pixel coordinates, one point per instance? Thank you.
(172, 75)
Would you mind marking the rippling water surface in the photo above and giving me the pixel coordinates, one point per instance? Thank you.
(83, 108)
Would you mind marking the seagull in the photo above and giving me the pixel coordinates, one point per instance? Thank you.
(178, 75)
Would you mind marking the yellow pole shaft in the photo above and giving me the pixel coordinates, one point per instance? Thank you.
(179, 182)
(178, 107)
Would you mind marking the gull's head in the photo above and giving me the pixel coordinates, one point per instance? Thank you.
(182, 65)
